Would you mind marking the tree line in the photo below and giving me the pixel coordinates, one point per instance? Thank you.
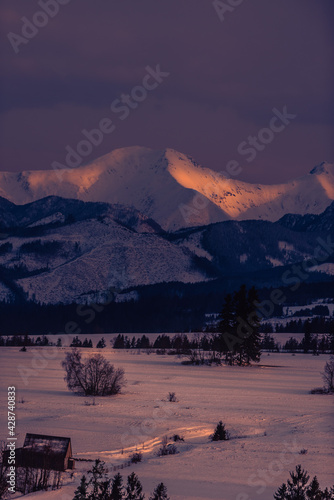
(319, 324)
(98, 486)
(165, 307)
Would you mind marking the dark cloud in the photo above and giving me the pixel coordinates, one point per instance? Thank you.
(225, 78)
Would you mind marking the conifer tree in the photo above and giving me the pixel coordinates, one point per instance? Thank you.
(313, 491)
(226, 338)
(252, 341)
(101, 344)
(298, 487)
(117, 492)
(281, 493)
(220, 434)
(160, 493)
(297, 483)
(82, 490)
(239, 335)
(134, 489)
(99, 475)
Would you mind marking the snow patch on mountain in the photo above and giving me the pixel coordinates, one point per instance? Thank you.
(57, 217)
(326, 268)
(274, 262)
(243, 258)
(107, 256)
(284, 245)
(194, 243)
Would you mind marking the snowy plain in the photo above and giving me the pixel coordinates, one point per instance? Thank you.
(267, 409)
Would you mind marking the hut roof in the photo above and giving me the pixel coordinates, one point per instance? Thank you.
(54, 444)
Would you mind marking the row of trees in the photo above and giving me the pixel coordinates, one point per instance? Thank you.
(237, 335)
(177, 307)
(300, 487)
(76, 342)
(318, 324)
(41, 247)
(43, 341)
(182, 344)
(310, 343)
(26, 341)
(99, 487)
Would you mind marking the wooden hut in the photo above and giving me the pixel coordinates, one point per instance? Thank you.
(45, 452)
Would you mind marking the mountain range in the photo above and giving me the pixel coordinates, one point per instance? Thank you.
(58, 250)
(172, 189)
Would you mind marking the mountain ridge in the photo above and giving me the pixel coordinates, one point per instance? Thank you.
(62, 250)
(171, 188)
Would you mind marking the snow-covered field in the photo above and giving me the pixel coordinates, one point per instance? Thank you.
(267, 409)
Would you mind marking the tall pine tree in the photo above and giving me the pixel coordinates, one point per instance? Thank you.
(238, 328)
(226, 338)
(82, 490)
(98, 479)
(252, 341)
(117, 488)
(134, 489)
(160, 493)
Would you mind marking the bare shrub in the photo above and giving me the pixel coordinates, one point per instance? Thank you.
(167, 449)
(95, 376)
(172, 397)
(318, 390)
(177, 438)
(136, 457)
(328, 375)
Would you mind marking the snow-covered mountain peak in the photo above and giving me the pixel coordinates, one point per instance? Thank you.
(171, 188)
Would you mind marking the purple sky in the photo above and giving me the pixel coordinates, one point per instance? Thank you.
(225, 78)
